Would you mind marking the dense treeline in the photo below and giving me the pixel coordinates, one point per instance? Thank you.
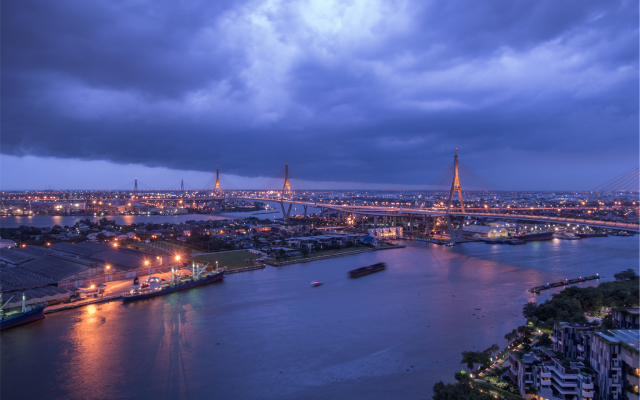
(571, 304)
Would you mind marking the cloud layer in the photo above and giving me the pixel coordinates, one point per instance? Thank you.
(355, 91)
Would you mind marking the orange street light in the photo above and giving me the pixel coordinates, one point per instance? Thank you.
(146, 263)
(177, 258)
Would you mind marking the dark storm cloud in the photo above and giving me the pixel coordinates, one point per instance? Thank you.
(361, 92)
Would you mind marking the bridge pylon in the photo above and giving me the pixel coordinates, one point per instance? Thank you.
(182, 184)
(217, 189)
(286, 190)
(456, 234)
(135, 186)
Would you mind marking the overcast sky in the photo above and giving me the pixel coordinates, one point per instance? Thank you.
(534, 94)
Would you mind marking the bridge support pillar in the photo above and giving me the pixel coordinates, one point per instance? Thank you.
(375, 221)
(305, 212)
(411, 224)
(395, 221)
(426, 225)
(455, 233)
(286, 214)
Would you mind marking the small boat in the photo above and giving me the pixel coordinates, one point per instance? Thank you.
(355, 273)
(316, 283)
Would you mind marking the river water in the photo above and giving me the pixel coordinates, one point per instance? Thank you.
(40, 221)
(267, 334)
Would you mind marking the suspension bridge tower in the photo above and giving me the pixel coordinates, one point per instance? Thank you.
(217, 190)
(456, 187)
(135, 187)
(286, 190)
(182, 184)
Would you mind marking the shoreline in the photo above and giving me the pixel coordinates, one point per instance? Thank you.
(347, 253)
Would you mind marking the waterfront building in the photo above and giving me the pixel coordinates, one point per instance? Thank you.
(626, 318)
(572, 341)
(479, 231)
(386, 233)
(614, 356)
(53, 274)
(547, 377)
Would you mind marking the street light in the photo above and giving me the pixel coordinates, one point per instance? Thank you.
(177, 258)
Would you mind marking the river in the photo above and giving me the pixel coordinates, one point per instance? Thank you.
(44, 221)
(267, 334)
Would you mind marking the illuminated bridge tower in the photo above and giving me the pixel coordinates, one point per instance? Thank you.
(286, 191)
(217, 190)
(456, 234)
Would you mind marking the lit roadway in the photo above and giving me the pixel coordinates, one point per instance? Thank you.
(478, 212)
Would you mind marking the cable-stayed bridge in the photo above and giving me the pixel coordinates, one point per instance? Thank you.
(458, 194)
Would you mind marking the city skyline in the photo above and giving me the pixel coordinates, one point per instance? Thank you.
(357, 96)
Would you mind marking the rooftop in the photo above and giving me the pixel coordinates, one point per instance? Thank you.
(629, 337)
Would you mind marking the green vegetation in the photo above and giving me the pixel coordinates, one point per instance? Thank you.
(230, 259)
(570, 304)
(482, 358)
(322, 253)
(467, 389)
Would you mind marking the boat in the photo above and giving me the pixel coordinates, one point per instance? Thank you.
(314, 284)
(514, 242)
(27, 314)
(535, 236)
(621, 233)
(355, 273)
(591, 234)
(155, 287)
(566, 236)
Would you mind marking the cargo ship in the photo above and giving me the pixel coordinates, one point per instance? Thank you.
(355, 273)
(15, 318)
(155, 287)
(535, 236)
(592, 234)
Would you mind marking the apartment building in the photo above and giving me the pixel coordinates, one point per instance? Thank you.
(548, 378)
(626, 318)
(614, 367)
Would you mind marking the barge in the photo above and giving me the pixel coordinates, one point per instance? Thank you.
(535, 236)
(591, 235)
(358, 272)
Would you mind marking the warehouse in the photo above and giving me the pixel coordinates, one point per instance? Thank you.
(477, 231)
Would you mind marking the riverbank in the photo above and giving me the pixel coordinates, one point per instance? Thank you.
(324, 257)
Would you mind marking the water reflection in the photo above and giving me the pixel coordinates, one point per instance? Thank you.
(267, 334)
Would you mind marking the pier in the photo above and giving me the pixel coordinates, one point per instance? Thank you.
(566, 282)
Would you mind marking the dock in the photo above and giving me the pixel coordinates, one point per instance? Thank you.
(566, 282)
(76, 304)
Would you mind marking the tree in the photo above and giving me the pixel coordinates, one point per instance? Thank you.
(545, 340)
(607, 322)
(305, 250)
(475, 357)
(530, 309)
(627, 275)
(101, 237)
(493, 349)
